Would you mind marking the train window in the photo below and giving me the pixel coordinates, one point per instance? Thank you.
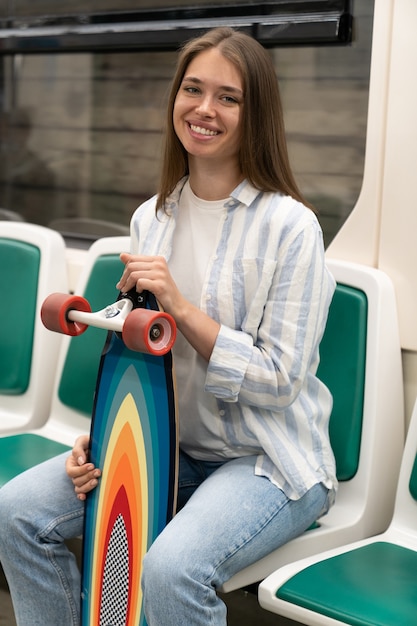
(163, 24)
(82, 97)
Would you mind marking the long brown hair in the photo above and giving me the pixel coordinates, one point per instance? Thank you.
(263, 153)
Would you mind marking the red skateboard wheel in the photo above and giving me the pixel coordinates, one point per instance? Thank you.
(149, 331)
(55, 309)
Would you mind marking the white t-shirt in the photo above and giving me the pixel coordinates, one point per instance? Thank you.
(194, 241)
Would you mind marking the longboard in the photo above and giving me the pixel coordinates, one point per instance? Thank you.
(134, 441)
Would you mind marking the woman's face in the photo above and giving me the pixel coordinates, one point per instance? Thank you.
(208, 108)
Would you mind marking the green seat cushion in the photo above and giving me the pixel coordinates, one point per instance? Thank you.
(19, 271)
(79, 375)
(342, 369)
(372, 585)
(20, 452)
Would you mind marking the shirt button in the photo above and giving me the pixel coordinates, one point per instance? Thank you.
(222, 413)
(208, 297)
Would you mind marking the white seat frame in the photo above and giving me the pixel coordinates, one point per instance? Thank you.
(401, 531)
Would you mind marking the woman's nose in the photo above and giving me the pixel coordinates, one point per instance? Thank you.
(206, 106)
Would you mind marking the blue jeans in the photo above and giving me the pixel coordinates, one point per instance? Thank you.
(231, 520)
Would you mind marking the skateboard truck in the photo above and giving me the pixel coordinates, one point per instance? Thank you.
(142, 329)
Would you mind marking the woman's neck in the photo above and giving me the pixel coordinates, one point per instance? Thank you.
(213, 183)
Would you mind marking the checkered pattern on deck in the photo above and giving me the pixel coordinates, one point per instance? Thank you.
(114, 601)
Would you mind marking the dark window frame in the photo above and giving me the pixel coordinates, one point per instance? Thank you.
(278, 23)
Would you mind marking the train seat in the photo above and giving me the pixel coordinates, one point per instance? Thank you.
(76, 369)
(361, 364)
(371, 581)
(32, 264)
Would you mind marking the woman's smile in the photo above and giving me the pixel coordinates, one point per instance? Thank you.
(200, 130)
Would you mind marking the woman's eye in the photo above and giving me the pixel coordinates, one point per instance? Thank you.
(191, 90)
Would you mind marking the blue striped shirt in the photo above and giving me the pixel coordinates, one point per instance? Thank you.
(268, 286)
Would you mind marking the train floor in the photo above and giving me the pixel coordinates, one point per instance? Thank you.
(243, 610)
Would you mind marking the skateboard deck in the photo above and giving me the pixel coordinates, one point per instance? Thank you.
(134, 442)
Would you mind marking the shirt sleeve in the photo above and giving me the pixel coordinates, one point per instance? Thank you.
(268, 368)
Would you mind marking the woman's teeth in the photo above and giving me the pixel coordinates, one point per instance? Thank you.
(202, 131)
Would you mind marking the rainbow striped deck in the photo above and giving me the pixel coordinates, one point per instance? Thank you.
(134, 442)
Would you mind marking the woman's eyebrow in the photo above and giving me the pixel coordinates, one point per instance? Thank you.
(198, 81)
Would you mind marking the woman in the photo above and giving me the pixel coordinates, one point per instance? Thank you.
(231, 250)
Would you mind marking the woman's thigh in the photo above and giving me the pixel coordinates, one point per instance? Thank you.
(43, 498)
(233, 519)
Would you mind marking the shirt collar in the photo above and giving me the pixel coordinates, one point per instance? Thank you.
(245, 193)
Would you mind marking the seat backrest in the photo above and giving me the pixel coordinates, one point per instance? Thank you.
(32, 265)
(19, 265)
(77, 383)
(342, 369)
(80, 356)
(361, 363)
(412, 484)
(405, 512)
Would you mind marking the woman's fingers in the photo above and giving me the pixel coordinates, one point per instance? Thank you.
(84, 475)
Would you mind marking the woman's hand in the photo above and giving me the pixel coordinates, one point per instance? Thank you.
(82, 473)
(151, 273)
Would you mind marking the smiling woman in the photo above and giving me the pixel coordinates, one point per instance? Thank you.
(250, 300)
